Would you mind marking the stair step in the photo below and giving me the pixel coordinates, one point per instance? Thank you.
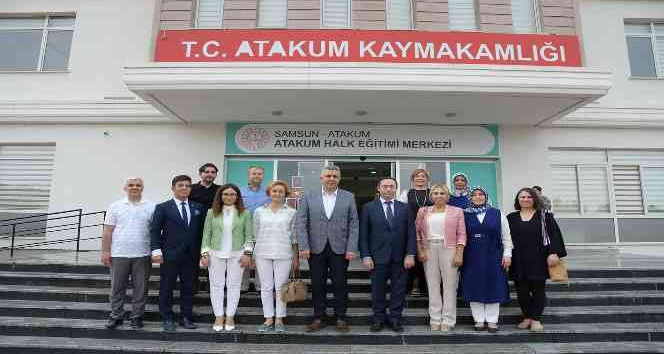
(355, 270)
(100, 295)
(354, 285)
(359, 335)
(64, 345)
(356, 316)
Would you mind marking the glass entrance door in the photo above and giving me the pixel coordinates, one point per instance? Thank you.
(361, 178)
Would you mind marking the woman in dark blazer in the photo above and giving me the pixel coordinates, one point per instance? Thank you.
(534, 251)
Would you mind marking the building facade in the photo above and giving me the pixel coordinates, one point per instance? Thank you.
(564, 94)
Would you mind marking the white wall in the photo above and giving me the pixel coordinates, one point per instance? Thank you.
(604, 44)
(524, 159)
(108, 35)
(90, 168)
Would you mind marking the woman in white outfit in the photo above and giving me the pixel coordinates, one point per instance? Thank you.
(273, 251)
(226, 250)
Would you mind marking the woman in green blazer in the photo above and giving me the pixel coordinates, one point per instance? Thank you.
(226, 250)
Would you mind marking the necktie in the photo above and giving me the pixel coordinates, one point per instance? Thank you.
(390, 213)
(185, 216)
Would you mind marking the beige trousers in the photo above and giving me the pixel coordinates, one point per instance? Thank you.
(438, 266)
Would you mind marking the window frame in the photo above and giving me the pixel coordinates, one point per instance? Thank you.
(581, 213)
(659, 71)
(411, 25)
(44, 39)
(258, 17)
(349, 17)
(536, 13)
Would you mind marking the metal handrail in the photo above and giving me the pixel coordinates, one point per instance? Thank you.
(77, 226)
(39, 215)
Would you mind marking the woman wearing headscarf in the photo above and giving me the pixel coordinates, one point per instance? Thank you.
(460, 196)
(538, 244)
(487, 257)
(417, 197)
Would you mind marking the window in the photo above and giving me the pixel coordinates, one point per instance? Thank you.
(25, 177)
(335, 13)
(36, 43)
(654, 189)
(525, 17)
(399, 14)
(580, 189)
(645, 49)
(463, 15)
(272, 13)
(210, 14)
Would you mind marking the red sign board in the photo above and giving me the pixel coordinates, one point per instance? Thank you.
(367, 46)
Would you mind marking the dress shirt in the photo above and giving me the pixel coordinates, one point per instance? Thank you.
(131, 222)
(505, 232)
(329, 200)
(252, 199)
(186, 205)
(383, 201)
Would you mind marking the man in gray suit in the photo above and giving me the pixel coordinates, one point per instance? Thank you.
(327, 227)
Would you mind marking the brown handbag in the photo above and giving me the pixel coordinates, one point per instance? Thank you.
(558, 272)
(295, 290)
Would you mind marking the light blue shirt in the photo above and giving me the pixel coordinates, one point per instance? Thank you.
(252, 199)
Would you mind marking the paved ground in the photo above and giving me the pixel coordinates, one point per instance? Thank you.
(632, 257)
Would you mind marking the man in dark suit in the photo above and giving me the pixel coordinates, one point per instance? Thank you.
(174, 232)
(327, 230)
(388, 247)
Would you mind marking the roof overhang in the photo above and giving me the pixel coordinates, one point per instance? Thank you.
(366, 92)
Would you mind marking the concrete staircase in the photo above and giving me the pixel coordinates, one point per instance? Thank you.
(53, 308)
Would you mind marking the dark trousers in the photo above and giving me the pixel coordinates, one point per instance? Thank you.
(416, 274)
(532, 298)
(335, 265)
(182, 267)
(122, 268)
(396, 273)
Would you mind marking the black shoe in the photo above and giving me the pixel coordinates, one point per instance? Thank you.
(396, 326)
(113, 323)
(136, 323)
(376, 326)
(169, 326)
(187, 324)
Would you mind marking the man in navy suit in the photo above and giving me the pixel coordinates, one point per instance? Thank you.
(388, 248)
(174, 232)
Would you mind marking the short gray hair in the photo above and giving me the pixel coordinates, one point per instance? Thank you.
(132, 178)
(330, 168)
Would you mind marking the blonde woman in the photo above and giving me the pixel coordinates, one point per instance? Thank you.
(275, 245)
(441, 238)
(226, 250)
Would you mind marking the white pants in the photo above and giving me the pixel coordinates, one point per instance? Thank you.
(225, 272)
(273, 275)
(246, 279)
(485, 312)
(442, 310)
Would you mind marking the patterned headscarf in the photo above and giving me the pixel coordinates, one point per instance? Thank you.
(478, 209)
(465, 191)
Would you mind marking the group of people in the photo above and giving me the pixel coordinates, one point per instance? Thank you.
(426, 239)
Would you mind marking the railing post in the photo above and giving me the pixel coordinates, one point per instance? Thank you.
(11, 250)
(78, 231)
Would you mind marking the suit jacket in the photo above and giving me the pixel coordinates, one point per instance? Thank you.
(385, 244)
(314, 229)
(169, 232)
(455, 227)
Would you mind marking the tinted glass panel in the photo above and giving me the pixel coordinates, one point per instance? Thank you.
(587, 230)
(58, 46)
(21, 49)
(641, 60)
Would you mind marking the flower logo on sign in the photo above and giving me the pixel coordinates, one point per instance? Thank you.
(252, 138)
